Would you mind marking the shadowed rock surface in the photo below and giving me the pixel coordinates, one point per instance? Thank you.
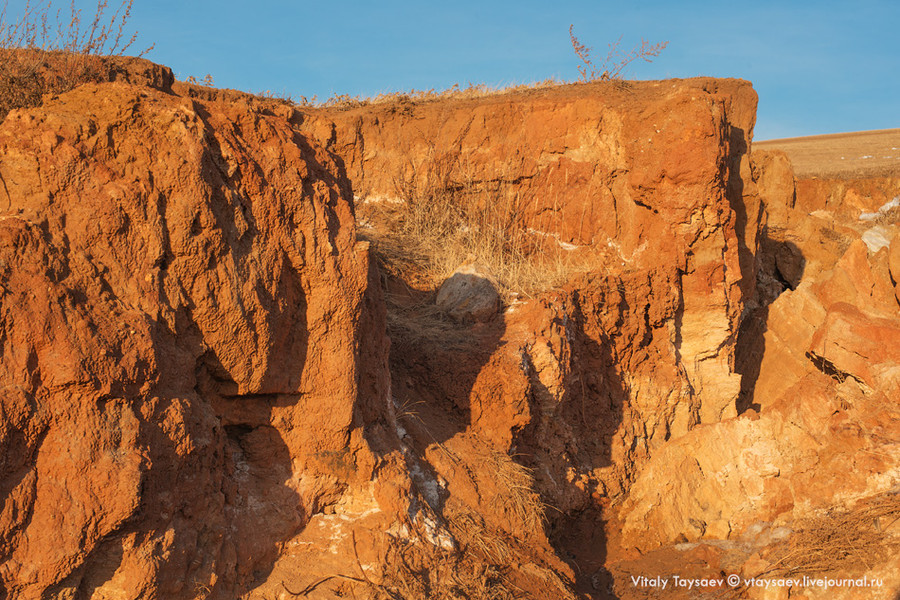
(183, 296)
(199, 398)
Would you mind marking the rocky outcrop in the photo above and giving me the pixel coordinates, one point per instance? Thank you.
(585, 383)
(197, 397)
(819, 435)
(193, 353)
(645, 173)
(469, 294)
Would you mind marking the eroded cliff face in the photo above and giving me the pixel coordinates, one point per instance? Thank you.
(815, 451)
(586, 383)
(191, 344)
(647, 172)
(198, 397)
(723, 286)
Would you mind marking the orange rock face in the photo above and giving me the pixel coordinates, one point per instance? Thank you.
(185, 311)
(647, 172)
(198, 398)
(588, 382)
(822, 432)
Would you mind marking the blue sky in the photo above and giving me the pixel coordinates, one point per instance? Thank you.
(818, 67)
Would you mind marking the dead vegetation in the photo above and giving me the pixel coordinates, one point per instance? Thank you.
(410, 570)
(516, 485)
(52, 51)
(479, 568)
(888, 217)
(841, 541)
(424, 324)
(471, 531)
(444, 575)
(613, 66)
(454, 92)
(444, 217)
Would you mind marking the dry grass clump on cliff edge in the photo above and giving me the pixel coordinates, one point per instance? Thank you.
(51, 51)
(612, 68)
(455, 92)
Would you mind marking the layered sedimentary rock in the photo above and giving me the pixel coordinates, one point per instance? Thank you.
(190, 349)
(646, 173)
(820, 437)
(195, 395)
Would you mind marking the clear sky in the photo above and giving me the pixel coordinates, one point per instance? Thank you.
(818, 66)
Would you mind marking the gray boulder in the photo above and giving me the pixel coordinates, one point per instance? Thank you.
(470, 294)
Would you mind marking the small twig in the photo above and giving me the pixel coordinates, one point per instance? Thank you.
(359, 563)
(305, 591)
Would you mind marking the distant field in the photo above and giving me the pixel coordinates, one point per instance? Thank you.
(851, 155)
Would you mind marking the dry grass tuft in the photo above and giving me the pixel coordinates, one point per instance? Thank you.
(455, 92)
(47, 51)
(443, 576)
(470, 530)
(888, 217)
(443, 220)
(416, 571)
(516, 485)
(424, 324)
(611, 69)
(40, 27)
(858, 538)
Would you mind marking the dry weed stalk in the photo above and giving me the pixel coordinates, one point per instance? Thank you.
(46, 52)
(206, 81)
(611, 69)
(613, 66)
(36, 29)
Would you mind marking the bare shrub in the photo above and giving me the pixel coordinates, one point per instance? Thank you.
(40, 27)
(613, 66)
